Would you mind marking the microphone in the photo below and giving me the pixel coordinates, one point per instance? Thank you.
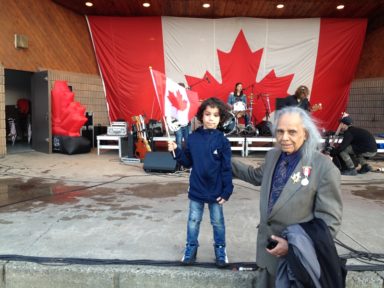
(206, 78)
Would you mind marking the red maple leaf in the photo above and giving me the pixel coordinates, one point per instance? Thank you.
(242, 65)
(177, 101)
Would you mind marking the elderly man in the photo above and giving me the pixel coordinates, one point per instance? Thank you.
(357, 142)
(298, 184)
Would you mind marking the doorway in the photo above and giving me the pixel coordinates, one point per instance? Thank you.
(27, 105)
(18, 113)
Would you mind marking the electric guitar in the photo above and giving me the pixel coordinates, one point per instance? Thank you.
(144, 133)
(316, 107)
(142, 146)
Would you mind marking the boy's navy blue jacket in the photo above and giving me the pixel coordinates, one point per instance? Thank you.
(208, 152)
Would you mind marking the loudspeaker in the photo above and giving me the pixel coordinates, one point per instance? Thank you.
(159, 162)
(127, 147)
(264, 128)
(280, 103)
(155, 128)
(98, 130)
(21, 41)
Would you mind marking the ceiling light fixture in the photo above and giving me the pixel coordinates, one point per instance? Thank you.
(279, 6)
(88, 4)
(206, 5)
(146, 4)
(339, 7)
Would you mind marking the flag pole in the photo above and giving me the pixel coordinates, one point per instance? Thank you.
(161, 108)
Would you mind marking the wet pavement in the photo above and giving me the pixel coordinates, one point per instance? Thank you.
(97, 207)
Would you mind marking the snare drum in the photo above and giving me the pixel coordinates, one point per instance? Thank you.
(239, 108)
(229, 126)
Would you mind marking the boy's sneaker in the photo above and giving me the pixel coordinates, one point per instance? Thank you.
(189, 255)
(365, 169)
(221, 256)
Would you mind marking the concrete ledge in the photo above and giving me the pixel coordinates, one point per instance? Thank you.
(32, 275)
(2, 275)
(365, 279)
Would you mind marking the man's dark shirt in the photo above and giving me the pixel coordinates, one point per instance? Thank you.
(360, 139)
(292, 101)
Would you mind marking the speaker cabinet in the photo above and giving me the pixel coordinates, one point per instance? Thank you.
(264, 128)
(21, 41)
(127, 147)
(159, 162)
(280, 103)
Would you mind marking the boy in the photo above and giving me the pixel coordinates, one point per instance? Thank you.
(208, 152)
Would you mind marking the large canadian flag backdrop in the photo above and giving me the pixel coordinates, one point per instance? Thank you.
(269, 56)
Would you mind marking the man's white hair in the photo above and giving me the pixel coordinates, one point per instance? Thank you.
(313, 141)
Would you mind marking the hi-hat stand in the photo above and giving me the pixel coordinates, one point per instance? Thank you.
(265, 99)
(264, 128)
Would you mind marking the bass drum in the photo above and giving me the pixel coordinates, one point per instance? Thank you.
(239, 107)
(229, 126)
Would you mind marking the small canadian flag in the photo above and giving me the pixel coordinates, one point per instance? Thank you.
(175, 101)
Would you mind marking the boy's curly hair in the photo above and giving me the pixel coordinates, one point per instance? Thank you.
(214, 103)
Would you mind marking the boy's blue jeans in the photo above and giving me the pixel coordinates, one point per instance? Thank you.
(196, 210)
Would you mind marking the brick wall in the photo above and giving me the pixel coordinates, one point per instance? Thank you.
(366, 104)
(3, 146)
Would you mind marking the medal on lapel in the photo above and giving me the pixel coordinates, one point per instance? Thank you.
(296, 177)
(306, 172)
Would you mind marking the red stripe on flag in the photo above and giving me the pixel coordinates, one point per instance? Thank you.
(340, 45)
(125, 48)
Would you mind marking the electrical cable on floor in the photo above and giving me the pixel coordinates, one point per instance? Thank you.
(364, 257)
(236, 266)
(373, 261)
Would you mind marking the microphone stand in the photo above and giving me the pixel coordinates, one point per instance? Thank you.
(251, 102)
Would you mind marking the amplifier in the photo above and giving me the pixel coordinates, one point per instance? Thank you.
(117, 129)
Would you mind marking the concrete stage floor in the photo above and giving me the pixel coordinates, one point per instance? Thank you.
(89, 206)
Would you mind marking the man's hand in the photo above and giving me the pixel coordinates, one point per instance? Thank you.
(281, 248)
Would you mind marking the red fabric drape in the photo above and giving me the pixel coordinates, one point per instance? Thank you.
(340, 46)
(125, 49)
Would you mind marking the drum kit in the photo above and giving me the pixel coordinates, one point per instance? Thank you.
(231, 126)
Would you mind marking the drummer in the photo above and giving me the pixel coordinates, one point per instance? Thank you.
(237, 100)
